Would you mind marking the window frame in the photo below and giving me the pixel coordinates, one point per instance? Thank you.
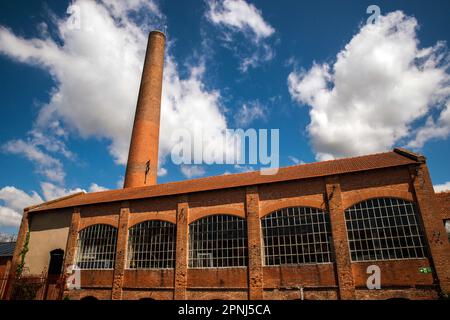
(390, 220)
(237, 236)
(315, 224)
(96, 232)
(161, 246)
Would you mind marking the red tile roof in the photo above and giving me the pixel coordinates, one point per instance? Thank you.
(398, 157)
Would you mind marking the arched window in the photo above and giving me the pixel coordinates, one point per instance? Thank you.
(96, 247)
(151, 245)
(218, 241)
(384, 229)
(296, 235)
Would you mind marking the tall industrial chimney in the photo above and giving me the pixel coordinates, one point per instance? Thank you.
(142, 165)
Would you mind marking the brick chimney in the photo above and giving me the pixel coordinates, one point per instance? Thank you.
(142, 165)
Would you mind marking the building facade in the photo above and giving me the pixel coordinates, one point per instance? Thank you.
(310, 231)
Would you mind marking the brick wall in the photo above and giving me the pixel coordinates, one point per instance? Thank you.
(341, 279)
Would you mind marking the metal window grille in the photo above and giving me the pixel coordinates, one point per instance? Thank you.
(384, 229)
(297, 235)
(96, 247)
(151, 245)
(218, 241)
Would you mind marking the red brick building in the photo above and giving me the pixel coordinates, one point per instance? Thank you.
(308, 232)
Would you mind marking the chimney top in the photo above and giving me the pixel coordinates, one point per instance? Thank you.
(157, 32)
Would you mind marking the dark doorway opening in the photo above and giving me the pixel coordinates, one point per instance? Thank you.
(56, 262)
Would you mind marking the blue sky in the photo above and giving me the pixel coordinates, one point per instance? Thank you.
(332, 84)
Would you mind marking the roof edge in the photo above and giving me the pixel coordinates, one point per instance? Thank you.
(53, 201)
(411, 155)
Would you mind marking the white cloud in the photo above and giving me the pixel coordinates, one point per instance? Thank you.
(380, 83)
(191, 171)
(14, 201)
(432, 129)
(250, 112)
(119, 183)
(162, 172)
(296, 160)
(182, 104)
(9, 217)
(52, 191)
(46, 165)
(97, 69)
(96, 188)
(239, 15)
(442, 187)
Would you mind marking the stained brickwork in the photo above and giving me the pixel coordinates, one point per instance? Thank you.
(340, 279)
(340, 240)
(434, 228)
(119, 266)
(255, 270)
(142, 162)
(181, 265)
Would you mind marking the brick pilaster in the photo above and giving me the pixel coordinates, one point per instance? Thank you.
(340, 239)
(72, 239)
(71, 245)
(181, 263)
(433, 225)
(255, 268)
(23, 230)
(121, 251)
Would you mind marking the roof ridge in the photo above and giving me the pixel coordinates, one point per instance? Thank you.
(257, 171)
(299, 171)
(411, 155)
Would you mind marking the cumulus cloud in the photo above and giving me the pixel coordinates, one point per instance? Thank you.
(191, 171)
(13, 202)
(240, 17)
(96, 188)
(380, 85)
(182, 104)
(46, 165)
(433, 129)
(250, 112)
(442, 187)
(52, 191)
(96, 61)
